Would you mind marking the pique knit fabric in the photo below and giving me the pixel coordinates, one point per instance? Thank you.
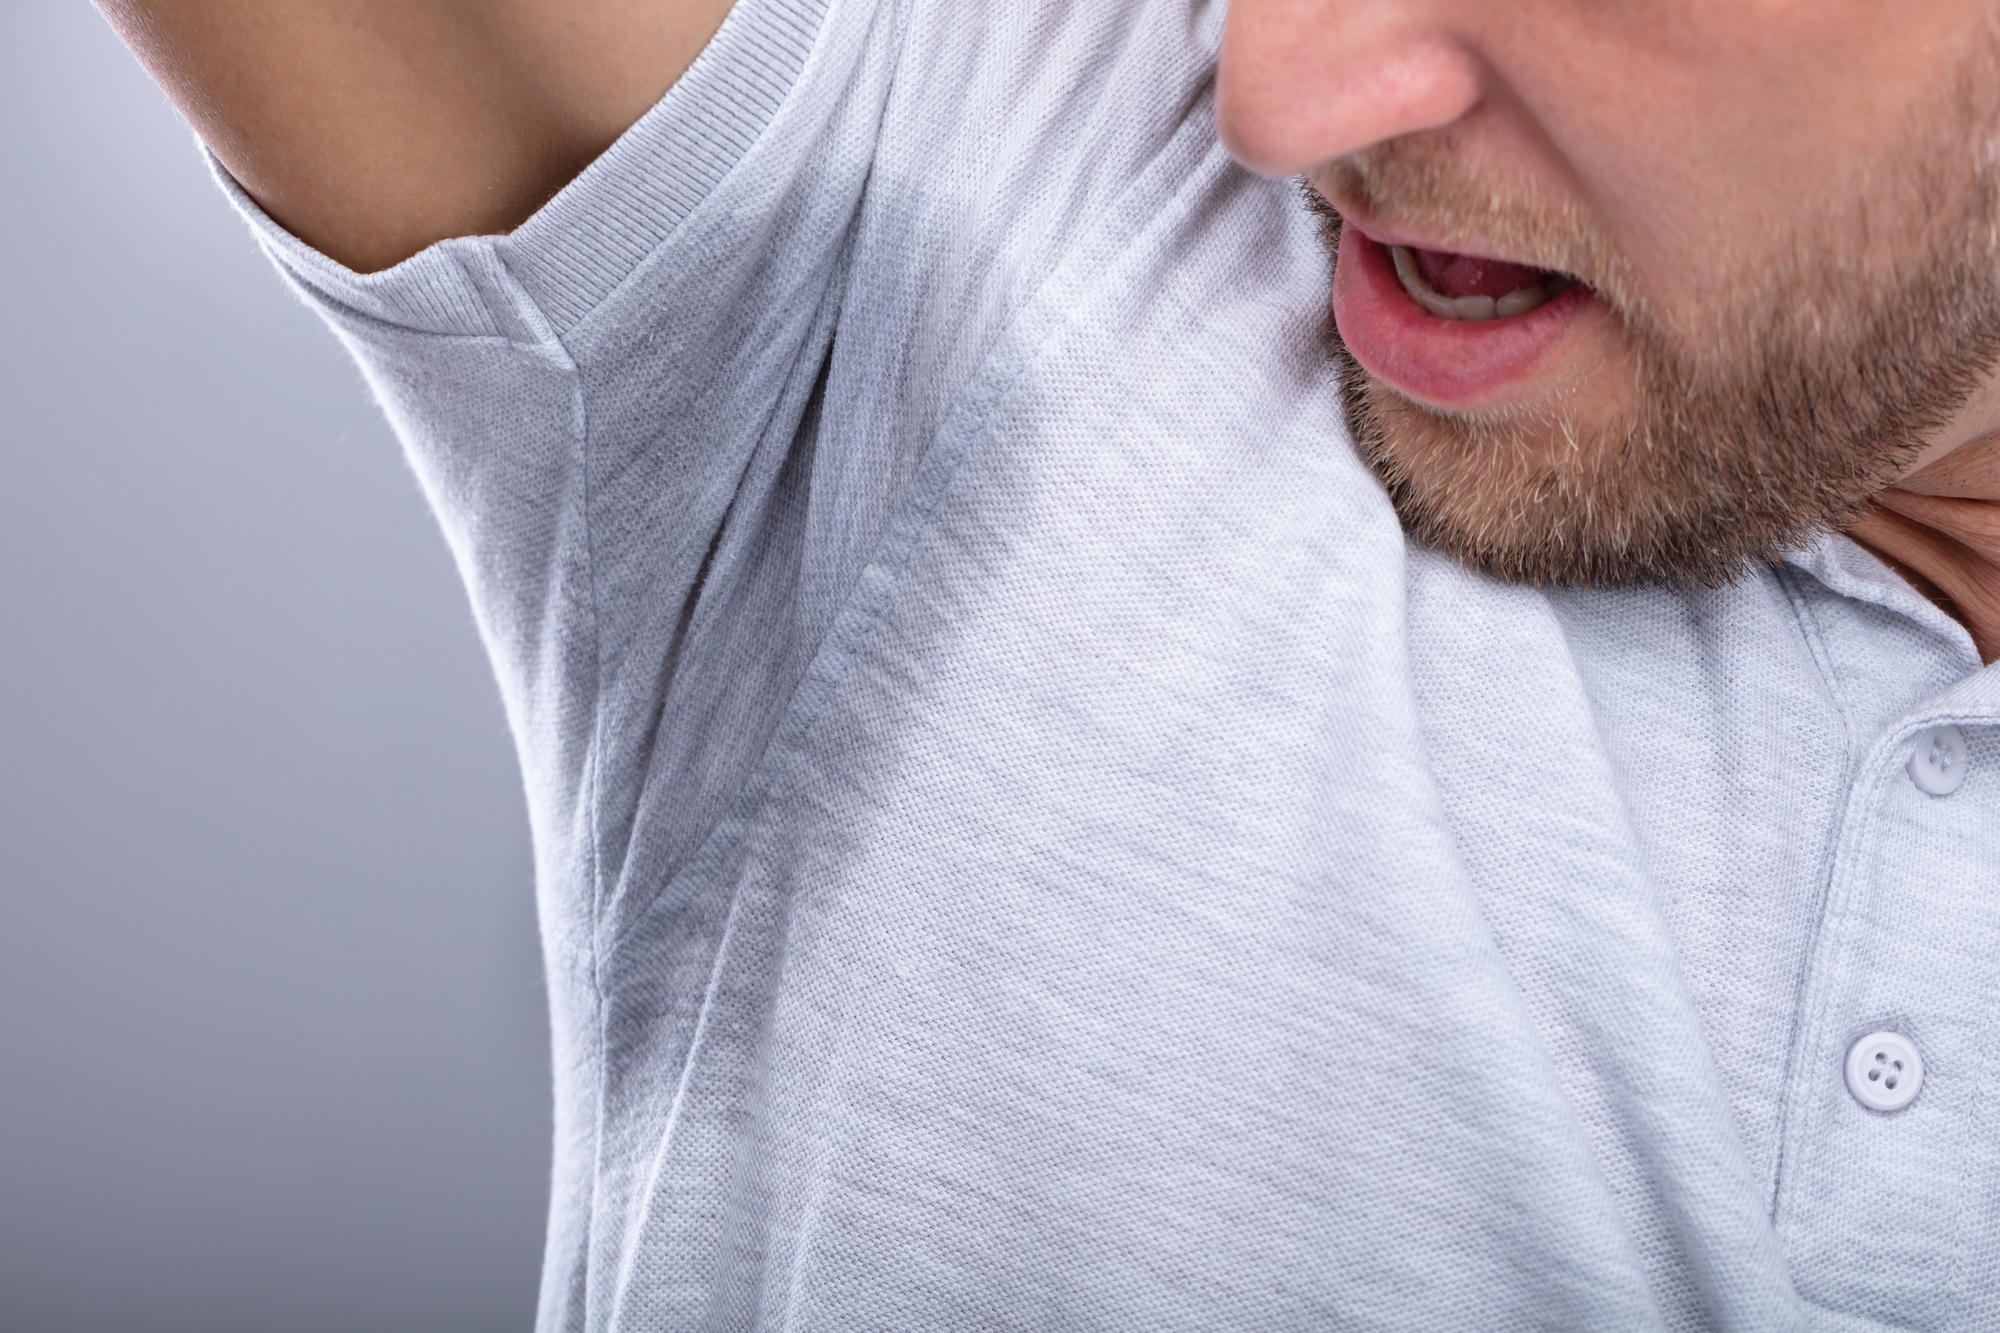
(1023, 843)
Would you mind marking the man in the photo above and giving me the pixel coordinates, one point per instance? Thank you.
(1025, 840)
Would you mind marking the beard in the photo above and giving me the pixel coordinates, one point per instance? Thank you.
(1819, 371)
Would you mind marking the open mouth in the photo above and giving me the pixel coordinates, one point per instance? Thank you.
(1457, 331)
(1472, 289)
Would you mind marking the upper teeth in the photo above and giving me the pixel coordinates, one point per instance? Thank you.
(1472, 309)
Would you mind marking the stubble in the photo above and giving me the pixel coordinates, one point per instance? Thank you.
(1820, 372)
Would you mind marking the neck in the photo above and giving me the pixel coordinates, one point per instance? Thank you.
(1939, 528)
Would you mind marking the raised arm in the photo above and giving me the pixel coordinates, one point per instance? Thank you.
(371, 128)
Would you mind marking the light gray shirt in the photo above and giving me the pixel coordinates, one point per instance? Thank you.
(1024, 843)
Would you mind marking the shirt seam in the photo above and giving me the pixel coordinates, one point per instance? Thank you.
(1824, 875)
(582, 245)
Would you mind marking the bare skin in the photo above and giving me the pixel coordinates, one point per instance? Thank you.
(372, 128)
(1940, 529)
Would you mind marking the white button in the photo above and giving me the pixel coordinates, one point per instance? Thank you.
(1937, 765)
(1884, 1071)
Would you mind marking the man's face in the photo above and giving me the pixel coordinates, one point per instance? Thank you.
(1727, 267)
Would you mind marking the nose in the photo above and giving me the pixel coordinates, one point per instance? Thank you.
(1303, 82)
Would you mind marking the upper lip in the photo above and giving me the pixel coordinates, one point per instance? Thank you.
(1459, 245)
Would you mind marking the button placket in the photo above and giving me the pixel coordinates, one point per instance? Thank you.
(1899, 952)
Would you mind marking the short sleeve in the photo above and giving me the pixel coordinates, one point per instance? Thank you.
(579, 246)
(667, 420)
(602, 407)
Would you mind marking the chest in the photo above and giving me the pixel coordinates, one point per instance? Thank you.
(1751, 790)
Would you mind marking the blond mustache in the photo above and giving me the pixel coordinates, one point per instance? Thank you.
(1430, 185)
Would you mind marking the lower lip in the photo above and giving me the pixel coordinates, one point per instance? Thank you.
(1447, 363)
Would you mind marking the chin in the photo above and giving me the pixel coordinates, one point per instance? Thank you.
(1542, 497)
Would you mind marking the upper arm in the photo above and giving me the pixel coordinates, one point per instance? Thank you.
(371, 128)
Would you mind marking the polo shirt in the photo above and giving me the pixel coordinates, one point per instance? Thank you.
(1024, 841)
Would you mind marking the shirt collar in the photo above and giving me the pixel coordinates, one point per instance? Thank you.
(1848, 569)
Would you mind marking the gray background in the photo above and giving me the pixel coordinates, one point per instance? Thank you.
(272, 1040)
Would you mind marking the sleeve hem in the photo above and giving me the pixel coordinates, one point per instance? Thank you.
(580, 245)
(585, 241)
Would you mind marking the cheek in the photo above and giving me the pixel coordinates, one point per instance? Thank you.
(1697, 133)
